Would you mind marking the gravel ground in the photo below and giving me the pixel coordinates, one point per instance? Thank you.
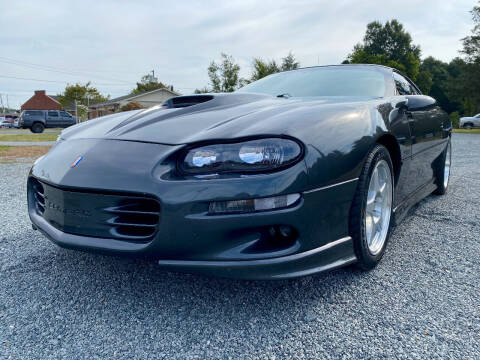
(421, 302)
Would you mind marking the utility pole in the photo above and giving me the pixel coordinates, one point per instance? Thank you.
(8, 105)
(76, 112)
(1, 102)
(152, 78)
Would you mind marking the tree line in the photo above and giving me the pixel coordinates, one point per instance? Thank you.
(455, 85)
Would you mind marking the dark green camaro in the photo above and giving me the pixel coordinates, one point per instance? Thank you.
(297, 173)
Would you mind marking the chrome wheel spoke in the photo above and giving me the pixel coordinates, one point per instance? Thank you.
(378, 207)
(446, 170)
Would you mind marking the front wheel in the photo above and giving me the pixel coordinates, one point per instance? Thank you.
(371, 212)
(443, 173)
(37, 128)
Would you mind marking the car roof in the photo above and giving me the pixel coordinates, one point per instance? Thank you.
(348, 65)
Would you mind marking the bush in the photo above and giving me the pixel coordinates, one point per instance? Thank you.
(132, 105)
(455, 119)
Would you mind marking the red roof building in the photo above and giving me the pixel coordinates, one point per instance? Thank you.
(41, 101)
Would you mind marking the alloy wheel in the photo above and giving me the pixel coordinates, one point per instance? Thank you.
(378, 207)
(448, 162)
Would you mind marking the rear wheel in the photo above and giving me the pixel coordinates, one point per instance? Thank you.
(443, 173)
(371, 212)
(37, 128)
(467, 126)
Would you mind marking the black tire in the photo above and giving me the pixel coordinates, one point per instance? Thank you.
(37, 128)
(366, 260)
(468, 126)
(440, 171)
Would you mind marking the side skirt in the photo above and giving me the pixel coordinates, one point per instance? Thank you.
(401, 210)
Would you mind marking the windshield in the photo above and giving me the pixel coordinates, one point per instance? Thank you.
(322, 81)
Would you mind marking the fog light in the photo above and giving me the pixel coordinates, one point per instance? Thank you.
(253, 205)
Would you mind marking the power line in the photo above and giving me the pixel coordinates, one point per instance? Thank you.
(55, 81)
(57, 70)
(66, 69)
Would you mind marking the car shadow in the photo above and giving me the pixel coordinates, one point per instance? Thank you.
(90, 283)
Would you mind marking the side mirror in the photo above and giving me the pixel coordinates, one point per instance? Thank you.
(402, 104)
(420, 102)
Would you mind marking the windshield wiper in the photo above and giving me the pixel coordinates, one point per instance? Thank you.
(285, 95)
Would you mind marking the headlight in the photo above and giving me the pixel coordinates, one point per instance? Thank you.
(248, 156)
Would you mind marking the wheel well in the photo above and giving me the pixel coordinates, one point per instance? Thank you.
(468, 123)
(393, 148)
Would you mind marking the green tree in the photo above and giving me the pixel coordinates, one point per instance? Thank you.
(440, 79)
(204, 90)
(465, 86)
(147, 83)
(224, 75)
(471, 44)
(289, 62)
(388, 45)
(83, 94)
(262, 68)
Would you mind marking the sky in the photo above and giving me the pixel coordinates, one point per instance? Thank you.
(113, 43)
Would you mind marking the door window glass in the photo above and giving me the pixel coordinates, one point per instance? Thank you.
(33, 113)
(53, 114)
(402, 85)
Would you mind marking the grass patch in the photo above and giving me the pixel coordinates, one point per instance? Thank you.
(465, 131)
(28, 137)
(12, 154)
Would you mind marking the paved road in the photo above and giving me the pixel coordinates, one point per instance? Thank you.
(422, 302)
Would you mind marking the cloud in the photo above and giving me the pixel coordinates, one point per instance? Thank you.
(111, 40)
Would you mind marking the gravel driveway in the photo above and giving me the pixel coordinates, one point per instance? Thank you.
(423, 301)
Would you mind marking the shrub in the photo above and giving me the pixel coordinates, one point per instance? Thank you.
(132, 105)
(455, 119)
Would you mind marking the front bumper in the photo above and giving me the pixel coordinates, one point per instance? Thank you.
(188, 238)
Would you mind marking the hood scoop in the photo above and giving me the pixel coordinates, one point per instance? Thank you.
(186, 101)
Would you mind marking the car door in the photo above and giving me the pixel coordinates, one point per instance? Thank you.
(425, 120)
(476, 120)
(67, 119)
(53, 119)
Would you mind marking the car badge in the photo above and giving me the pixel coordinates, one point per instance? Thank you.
(77, 161)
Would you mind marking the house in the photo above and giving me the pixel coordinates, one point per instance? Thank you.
(41, 101)
(146, 99)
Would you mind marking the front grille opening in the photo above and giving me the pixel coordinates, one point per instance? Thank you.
(134, 232)
(136, 219)
(39, 196)
(138, 205)
(127, 217)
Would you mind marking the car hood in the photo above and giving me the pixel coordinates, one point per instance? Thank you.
(225, 116)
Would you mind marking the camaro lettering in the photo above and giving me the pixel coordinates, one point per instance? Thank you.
(73, 212)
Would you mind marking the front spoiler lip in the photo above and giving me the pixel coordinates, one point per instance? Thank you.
(330, 256)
